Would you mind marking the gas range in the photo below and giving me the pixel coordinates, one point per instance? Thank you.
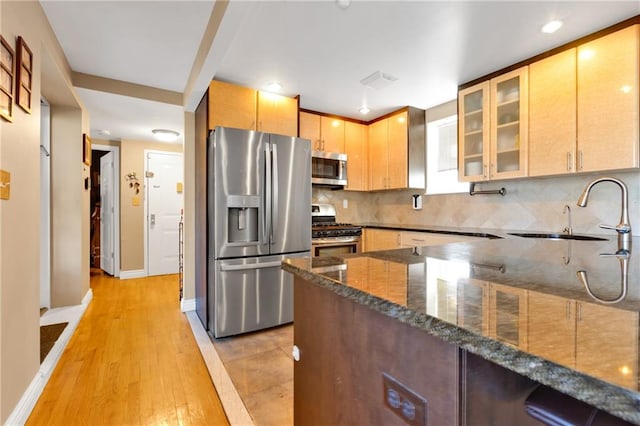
(324, 225)
(330, 237)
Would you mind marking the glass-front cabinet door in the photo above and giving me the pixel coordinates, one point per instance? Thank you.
(509, 129)
(473, 131)
(493, 128)
(508, 315)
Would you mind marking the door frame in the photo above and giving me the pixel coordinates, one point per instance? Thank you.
(146, 201)
(116, 202)
(45, 204)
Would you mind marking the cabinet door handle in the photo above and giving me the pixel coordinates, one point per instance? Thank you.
(579, 312)
(580, 163)
(569, 161)
(484, 175)
(568, 310)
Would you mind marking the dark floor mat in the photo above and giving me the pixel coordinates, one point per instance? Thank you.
(48, 336)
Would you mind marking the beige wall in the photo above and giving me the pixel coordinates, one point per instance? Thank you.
(69, 209)
(131, 216)
(19, 216)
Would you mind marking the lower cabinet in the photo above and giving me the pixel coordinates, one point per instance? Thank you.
(381, 239)
(388, 239)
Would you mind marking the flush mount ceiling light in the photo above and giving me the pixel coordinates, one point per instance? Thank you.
(274, 86)
(551, 27)
(364, 110)
(165, 135)
(378, 80)
(343, 4)
(103, 132)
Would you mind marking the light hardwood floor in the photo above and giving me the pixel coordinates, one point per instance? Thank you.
(132, 360)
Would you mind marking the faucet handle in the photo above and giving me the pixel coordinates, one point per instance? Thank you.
(623, 229)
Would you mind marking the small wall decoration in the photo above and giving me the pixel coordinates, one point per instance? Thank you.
(134, 183)
(86, 149)
(7, 59)
(24, 72)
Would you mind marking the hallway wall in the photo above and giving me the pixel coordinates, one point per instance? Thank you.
(132, 216)
(19, 216)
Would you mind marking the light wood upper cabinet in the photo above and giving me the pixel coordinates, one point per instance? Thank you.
(244, 108)
(232, 106)
(398, 151)
(332, 134)
(473, 133)
(499, 106)
(552, 328)
(310, 129)
(378, 162)
(355, 146)
(326, 133)
(608, 112)
(598, 325)
(552, 114)
(277, 114)
(508, 314)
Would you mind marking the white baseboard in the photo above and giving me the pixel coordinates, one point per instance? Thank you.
(127, 275)
(187, 305)
(70, 314)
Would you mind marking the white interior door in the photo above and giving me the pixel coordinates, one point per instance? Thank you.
(164, 176)
(107, 212)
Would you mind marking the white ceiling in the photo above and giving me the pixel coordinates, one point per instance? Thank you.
(314, 48)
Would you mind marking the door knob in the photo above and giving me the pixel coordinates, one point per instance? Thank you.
(152, 219)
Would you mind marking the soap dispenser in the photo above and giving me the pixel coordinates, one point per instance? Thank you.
(417, 201)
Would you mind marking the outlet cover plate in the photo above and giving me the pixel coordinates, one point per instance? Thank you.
(404, 402)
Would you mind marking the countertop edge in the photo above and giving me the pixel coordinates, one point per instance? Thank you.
(610, 398)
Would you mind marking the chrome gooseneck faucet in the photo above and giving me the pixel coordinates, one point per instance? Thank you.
(624, 227)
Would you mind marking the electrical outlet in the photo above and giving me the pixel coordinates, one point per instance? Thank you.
(405, 403)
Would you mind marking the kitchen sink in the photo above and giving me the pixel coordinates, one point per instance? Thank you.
(556, 236)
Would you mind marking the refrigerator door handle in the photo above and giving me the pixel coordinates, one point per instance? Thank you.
(275, 194)
(266, 211)
(252, 266)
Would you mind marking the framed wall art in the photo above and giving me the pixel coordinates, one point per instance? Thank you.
(7, 59)
(86, 149)
(24, 72)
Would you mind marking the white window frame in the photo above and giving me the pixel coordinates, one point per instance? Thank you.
(442, 182)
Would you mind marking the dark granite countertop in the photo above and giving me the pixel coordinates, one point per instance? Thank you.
(521, 303)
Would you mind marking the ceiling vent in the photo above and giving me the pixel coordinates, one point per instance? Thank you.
(378, 80)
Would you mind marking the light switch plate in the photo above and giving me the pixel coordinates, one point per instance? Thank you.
(5, 185)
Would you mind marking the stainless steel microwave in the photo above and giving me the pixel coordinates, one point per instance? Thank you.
(328, 168)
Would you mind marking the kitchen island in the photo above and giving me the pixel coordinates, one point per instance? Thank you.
(466, 333)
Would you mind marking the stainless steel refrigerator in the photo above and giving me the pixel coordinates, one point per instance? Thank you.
(258, 208)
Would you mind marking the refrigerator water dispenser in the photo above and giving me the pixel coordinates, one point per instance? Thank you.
(242, 216)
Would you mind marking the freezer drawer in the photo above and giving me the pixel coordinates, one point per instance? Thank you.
(250, 294)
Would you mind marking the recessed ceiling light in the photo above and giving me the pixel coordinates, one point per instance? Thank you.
(274, 86)
(364, 110)
(551, 27)
(343, 4)
(165, 135)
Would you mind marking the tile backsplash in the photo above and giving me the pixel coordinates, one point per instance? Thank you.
(532, 204)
